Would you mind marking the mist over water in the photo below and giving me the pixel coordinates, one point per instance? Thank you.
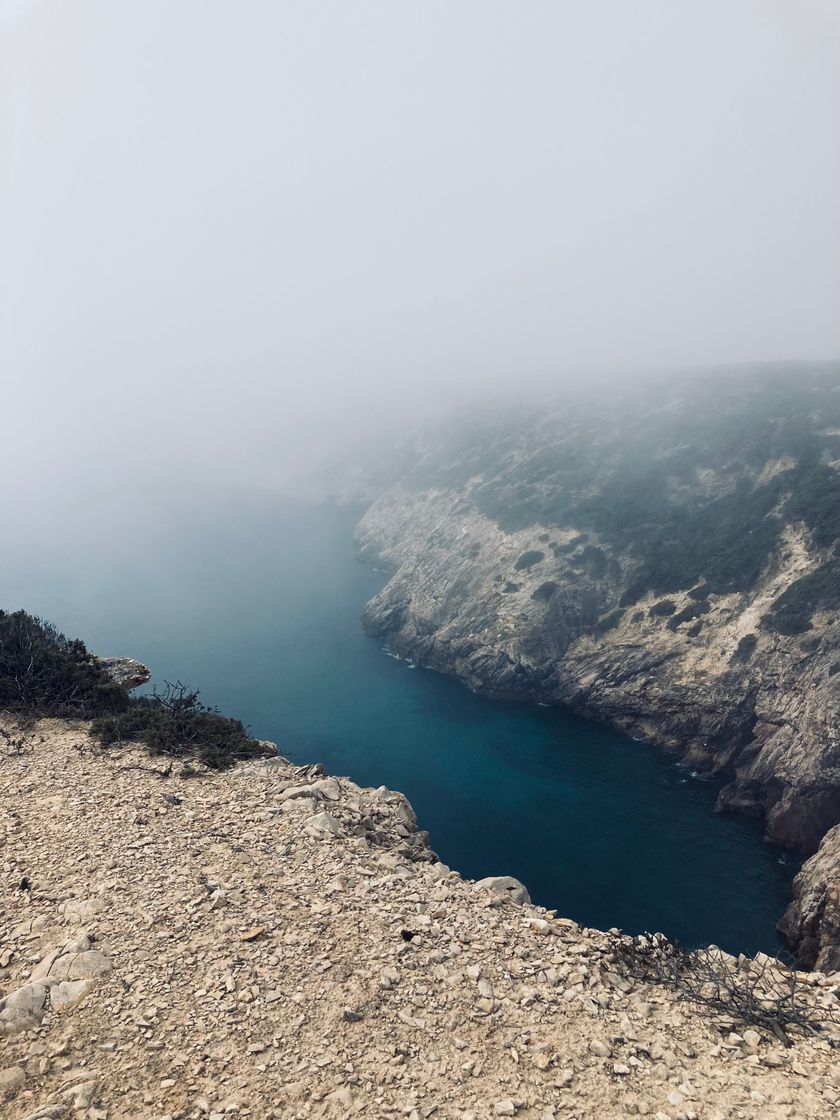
(259, 606)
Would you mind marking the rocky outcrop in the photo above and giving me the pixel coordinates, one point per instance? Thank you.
(202, 947)
(812, 921)
(125, 671)
(62, 978)
(457, 602)
(527, 558)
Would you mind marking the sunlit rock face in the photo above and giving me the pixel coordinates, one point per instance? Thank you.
(667, 561)
(125, 671)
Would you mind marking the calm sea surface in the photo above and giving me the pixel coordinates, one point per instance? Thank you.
(259, 607)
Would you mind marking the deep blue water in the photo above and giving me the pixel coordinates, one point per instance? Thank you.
(259, 607)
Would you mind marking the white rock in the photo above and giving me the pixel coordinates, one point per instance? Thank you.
(324, 823)
(505, 886)
(23, 1010)
(70, 993)
(11, 1082)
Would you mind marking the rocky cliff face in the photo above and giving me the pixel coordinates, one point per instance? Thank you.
(666, 563)
(812, 921)
(126, 671)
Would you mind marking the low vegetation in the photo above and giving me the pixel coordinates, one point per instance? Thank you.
(545, 591)
(663, 608)
(43, 673)
(694, 482)
(759, 992)
(792, 612)
(174, 722)
(745, 648)
(528, 560)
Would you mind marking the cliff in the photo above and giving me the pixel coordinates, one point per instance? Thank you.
(272, 942)
(812, 921)
(666, 561)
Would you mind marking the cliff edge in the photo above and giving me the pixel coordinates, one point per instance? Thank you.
(268, 941)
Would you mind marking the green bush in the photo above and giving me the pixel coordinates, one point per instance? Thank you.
(745, 648)
(545, 591)
(43, 673)
(528, 559)
(700, 592)
(819, 590)
(663, 608)
(688, 614)
(608, 622)
(175, 723)
(631, 472)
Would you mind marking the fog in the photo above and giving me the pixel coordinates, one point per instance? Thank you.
(239, 237)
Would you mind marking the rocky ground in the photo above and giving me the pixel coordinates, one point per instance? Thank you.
(272, 942)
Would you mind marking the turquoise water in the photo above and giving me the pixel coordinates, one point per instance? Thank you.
(259, 607)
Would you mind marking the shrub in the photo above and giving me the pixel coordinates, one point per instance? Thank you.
(529, 559)
(761, 993)
(791, 612)
(663, 608)
(688, 614)
(175, 723)
(745, 648)
(545, 591)
(43, 673)
(608, 622)
(595, 560)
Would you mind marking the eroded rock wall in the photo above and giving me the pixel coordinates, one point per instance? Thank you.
(528, 614)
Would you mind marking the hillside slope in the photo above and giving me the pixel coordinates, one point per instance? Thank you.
(666, 559)
(270, 942)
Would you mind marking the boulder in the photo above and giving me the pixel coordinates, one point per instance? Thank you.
(125, 671)
(505, 886)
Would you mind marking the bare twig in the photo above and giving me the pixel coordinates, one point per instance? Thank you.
(762, 991)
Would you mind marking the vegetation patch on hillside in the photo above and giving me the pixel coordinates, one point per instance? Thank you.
(791, 613)
(174, 722)
(694, 481)
(43, 673)
(529, 559)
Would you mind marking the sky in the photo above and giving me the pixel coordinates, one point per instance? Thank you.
(236, 236)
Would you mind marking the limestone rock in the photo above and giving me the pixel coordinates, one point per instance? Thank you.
(23, 1009)
(324, 823)
(125, 671)
(12, 1081)
(506, 887)
(70, 993)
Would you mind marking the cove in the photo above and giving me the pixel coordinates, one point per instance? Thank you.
(258, 604)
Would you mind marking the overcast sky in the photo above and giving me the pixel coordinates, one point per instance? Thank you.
(232, 228)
